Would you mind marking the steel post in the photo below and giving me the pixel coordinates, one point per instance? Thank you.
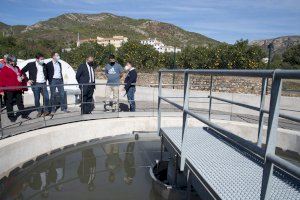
(271, 137)
(210, 98)
(185, 117)
(159, 102)
(261, 112)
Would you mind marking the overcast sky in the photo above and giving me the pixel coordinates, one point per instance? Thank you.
(223, 20)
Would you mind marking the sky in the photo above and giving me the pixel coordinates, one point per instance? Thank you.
(223, 20)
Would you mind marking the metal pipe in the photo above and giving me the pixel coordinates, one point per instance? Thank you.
(233, 137)
(220, 72)
(185, 118)
(280, 162)
(261, 113)
(210, 98)
(175, 169)
(284, 116)
(159, 102)
(271, 137)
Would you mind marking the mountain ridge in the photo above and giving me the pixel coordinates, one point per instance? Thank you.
(280, 43)
(66, 26)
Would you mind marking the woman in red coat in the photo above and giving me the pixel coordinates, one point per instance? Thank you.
(12, 78)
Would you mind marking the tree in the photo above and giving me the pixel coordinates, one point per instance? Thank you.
(292, 55)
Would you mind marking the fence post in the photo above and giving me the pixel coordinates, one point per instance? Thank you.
(271, 136)
(159, 101)
(261, 112)
(44, 90)
(185, 117)
(210, 99)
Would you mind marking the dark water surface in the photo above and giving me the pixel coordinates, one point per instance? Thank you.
(107, 169)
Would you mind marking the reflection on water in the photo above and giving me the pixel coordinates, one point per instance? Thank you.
(87, 169)
(105, 170)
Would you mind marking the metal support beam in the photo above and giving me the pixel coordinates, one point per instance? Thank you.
(189, 185)
(210, 98)
(161, 147)
(159, 101)
(185, 118)
(261, 112)
(271, 137)
(175, 169)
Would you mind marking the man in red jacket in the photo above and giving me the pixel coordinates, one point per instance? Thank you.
(2, 64)
(12, 78)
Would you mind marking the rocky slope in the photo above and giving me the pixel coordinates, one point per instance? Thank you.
(280, 43)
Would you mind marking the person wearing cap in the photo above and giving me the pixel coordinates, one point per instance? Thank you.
(14, 79)
(113, 72)
(37, 79)
(129, 87)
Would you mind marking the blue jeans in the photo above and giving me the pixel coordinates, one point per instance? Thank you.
(37, 89)
(57, 83)
(130, 97)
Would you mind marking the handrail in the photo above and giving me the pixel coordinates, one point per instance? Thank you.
(233, 137)
(220, 72)
(284, 164)
(284, 116)
(283, 74)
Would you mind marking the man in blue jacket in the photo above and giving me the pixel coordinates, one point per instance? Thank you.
(130, 82)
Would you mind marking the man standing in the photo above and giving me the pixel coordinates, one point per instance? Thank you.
(85, 77)
(10, 77)
(130, 81)
(37, 78)
(55, 78)
(113, 72)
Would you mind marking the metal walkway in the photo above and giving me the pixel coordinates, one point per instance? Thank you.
(230, 171)
(218, 163)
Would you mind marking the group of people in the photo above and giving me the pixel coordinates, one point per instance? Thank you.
(85, 77)
(14, 81)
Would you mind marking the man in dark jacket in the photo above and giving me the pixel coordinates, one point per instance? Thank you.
(55, 79)
(37, 78)
(130, 81)
(85, 77)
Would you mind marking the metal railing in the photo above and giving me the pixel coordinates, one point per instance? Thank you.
(268, 153)
(74, 96)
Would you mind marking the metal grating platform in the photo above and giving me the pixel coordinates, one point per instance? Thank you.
(230, 171)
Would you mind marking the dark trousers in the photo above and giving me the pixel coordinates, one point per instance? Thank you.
(130, 97)
(87, 99)
(2, 101)
(37, 89)
(57, 83)
(10, 96)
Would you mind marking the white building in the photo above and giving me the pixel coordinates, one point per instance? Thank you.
(159, 46)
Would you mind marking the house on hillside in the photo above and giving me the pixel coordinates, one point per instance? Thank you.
(116, 41)
(159, 46)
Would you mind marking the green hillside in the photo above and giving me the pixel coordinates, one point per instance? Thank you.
(65, 28)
